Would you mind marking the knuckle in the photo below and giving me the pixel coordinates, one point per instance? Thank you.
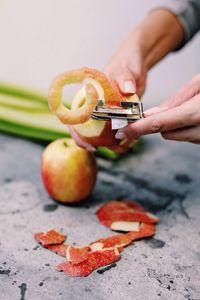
(155, 126)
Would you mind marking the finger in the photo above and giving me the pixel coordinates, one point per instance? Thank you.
(141, 85)
(78, 140)
(190, 134)
(189, 90)
(174, 118)
(125, 80)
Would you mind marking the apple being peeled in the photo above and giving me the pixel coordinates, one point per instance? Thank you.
(98, 133)
(97, 87)
(68, 171)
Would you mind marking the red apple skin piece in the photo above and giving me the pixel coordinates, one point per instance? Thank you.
(118, 206)
(119, 240)
(77, 255)
(103, 257)
(108, 218)
(122, 205)
(96, 260)
(51, 237)
(146, 230)
(81, 270)
(68, 171)
(38, 236)
(123, 211)
(120, 249)
(136, 216)
(59, 249)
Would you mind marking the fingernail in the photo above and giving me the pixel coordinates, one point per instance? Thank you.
(129, 87)
(120, 135)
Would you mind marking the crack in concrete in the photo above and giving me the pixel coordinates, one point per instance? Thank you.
(23, 288)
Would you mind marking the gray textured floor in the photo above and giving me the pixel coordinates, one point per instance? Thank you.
(165, 178)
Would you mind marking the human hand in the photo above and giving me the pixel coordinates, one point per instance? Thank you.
(177, 118)
(128, 79)
(79, 141)
(119, 149)
(127, 68)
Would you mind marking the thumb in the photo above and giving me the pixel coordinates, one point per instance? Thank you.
(126, 82)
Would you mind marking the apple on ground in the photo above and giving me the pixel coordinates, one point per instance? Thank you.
(68, 171)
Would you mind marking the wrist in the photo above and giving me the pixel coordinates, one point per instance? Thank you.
(157, 35)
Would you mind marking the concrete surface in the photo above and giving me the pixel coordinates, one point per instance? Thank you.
(164, 177)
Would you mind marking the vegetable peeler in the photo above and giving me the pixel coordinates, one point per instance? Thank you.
(119, 116)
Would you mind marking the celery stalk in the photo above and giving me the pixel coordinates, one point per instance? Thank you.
(26, 94)
(22, 92)
(138, 146)
(107, 153)
(40, 135)
(32, 133)
(22, 104)
(41, 121)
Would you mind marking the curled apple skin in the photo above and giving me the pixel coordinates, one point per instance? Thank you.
(96, 87)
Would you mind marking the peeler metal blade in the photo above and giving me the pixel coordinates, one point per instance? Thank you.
(119, 116)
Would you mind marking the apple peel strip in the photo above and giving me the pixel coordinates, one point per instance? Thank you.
(81, 261)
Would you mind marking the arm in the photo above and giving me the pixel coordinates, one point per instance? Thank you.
(165, 29)
(158, 34)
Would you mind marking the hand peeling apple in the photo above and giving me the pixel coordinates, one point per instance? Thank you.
(82, 261)
(97, 87)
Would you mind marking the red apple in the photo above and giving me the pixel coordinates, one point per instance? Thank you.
(68, 171)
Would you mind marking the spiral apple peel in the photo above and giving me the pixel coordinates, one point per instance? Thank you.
(96, 87)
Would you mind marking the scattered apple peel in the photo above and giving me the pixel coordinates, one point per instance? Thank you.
(118, 211)
(51, 237)
(76, 255)
(82, 261)
(59, 249)
(95, 260)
